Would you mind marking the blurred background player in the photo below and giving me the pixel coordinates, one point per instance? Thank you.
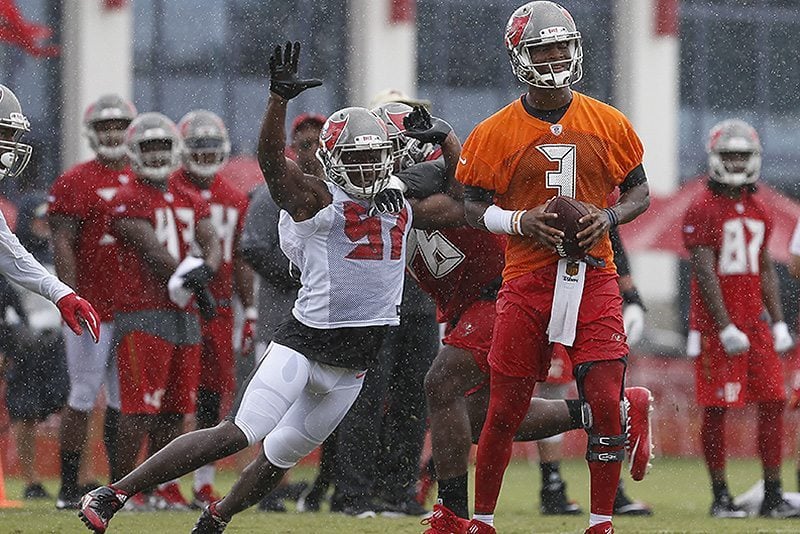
(734, 284)
(37, 382)
(205, 149)
(378, 451)
(511, 173)
(85, 256)
(156, 223)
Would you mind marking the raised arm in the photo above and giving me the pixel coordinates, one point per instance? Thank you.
(299, 194)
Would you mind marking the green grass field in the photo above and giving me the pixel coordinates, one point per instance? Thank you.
(677, 489)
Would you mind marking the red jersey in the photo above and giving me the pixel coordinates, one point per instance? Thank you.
(737, 231)
(84, 193)
(173, 214)
(454, 266)
(526, 161)
(228, 208)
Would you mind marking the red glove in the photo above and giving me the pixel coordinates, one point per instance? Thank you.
(76, 311)
(249, 330)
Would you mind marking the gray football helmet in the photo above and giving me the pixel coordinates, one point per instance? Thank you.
(355, 152)
(14, 154)
(543, 23)
(206, 145)
(153, 146)
(407, 151)
(734, 153)
(108, 143)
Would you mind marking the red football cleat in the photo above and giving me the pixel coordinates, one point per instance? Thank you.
(603, 528)
(204, 496)
(169, 497)
(639, 444)
(479, 527)
(444, 521)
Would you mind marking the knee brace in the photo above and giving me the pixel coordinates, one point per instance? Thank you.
(596, 440)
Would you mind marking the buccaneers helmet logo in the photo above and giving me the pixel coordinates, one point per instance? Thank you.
(516, 28)
(332, 131)
(397, 119)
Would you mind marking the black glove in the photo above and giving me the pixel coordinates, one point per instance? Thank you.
(421, 126)
(283, 72)
(206, 304)
(424, 179)
(198, 278)
(389, 200)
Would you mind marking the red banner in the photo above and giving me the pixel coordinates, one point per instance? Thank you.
(402, 11)
(25, 34)
(667, 20)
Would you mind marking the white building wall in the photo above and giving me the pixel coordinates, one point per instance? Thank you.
(383, 55)
(646, 89)
(97, 45)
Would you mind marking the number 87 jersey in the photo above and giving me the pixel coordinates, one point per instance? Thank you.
(352, 264)
(526, 161)
(737, 230)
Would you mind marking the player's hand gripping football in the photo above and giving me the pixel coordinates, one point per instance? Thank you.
(597, 225)
(534, 224)
(421, 126)
(76, 312)
(283, 80)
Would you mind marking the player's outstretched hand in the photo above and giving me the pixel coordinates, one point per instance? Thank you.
(283, 79)
(734, 341)
(389, 200)
(422, 126)
(76, 312)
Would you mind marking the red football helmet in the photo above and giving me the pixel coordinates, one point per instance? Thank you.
(206, 145)
(355, 152)
(734, 153)
(537, 24)
(153, 145)
(108, 140)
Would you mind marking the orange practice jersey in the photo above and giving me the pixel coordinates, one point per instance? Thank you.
(526, 161)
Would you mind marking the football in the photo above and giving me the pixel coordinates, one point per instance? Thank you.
(569, 212)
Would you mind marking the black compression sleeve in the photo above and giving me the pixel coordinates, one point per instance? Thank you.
(478, 194)
(620, 256)
(636, 177)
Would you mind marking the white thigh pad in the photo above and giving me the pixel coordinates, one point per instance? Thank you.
(278, 381)
(330, 393)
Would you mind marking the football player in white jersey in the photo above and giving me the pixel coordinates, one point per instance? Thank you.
(339, 232)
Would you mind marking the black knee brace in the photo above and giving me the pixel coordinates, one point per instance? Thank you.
(597, 440)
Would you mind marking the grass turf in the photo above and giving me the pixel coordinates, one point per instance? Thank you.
(677, 489)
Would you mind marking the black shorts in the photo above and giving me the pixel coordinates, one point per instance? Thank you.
(352, 347)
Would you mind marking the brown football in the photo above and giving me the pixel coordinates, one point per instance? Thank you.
(569, 211)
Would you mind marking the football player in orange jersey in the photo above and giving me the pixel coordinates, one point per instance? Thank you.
(552, 141)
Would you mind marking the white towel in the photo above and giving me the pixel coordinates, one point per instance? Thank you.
(177, 293)
(567, 294)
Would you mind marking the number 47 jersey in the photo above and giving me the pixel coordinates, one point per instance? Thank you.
(352, 264)
(736, 230)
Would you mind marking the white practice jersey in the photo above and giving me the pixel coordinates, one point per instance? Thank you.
(352, 264)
